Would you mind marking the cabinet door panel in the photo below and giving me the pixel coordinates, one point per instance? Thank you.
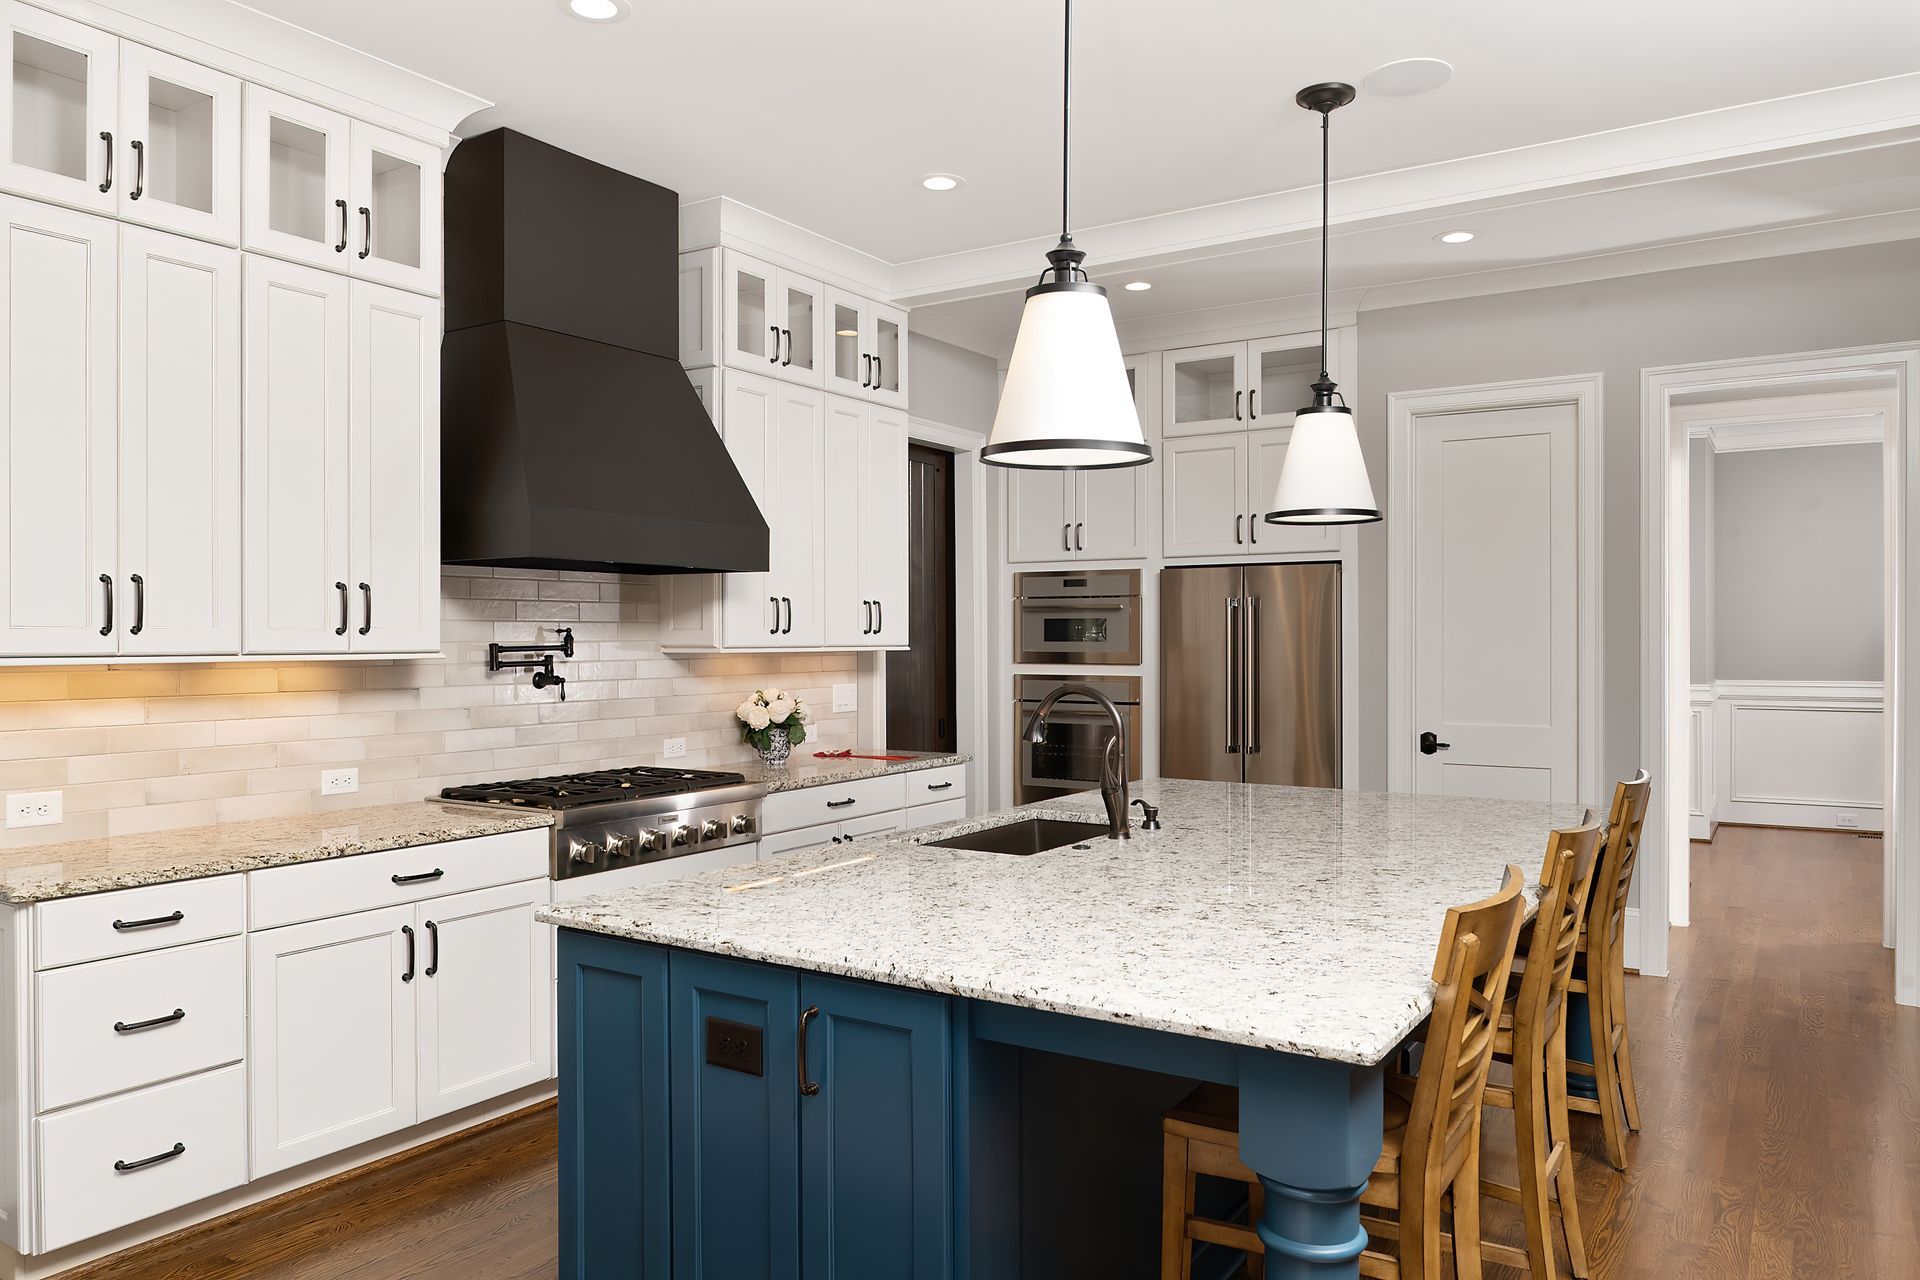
(1039, 515)
(874, 1141)
(394, 464)
(297, 481)
(179, 444)
(887, 343)
(736, 1132)
(484, 986)
(848, 363)
(1203, 489)
(1203, 389)
(700, 308)
(1111, 506)
(750, 610)
(180, 140)
(57, 506)
(801, 309)
(331, 1037)
(752, 338)
(794, 516)
(1280, 377)
(883, 531)
(57, 118)
(395, 196)
(295, 174)
(844, 491)
(1267, 450)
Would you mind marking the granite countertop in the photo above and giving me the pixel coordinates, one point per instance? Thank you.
(1286, 918)
(36, 873)
(807, 770)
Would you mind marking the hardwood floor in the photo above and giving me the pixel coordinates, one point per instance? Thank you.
(1779, 1084)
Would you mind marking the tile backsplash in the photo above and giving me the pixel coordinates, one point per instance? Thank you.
(140, 748)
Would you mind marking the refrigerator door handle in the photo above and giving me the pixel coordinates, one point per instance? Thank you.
(1252, 671)
(1232, 631)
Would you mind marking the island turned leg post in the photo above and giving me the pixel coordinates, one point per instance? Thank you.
(1311, 1130)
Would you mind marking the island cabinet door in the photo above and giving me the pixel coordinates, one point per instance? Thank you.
(736, 1104)
(875, 1142)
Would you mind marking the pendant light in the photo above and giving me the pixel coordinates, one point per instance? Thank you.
(1066, 402)
(1323, 478)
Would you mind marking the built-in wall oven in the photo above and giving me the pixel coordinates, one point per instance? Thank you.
(1077, 734)
(1081, 618)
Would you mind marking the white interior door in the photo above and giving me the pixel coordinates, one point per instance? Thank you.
(1203, 488)
(180, 129)
(883, 531)
(331, 1034)
(1266, 451)
(297, 389)
(179, 444)
(849, 609)
(57, 119)
(57, 503)
(486, 991)
(750, 605)
(1496, 574)
(394, 463)
(395, 195)
(295, 173)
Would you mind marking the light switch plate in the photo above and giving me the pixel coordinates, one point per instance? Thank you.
(846, 697)
(339, 782)
(35, 809)
(676, 749)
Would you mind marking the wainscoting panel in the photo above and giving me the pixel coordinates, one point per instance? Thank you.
(1703, 811)
(1805, 754)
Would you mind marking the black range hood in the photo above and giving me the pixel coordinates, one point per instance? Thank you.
(570, 437)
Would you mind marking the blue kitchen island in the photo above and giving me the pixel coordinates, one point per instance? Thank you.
(809, 1067)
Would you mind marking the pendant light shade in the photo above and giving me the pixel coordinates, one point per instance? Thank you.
(1323, 478)
(1066, 402)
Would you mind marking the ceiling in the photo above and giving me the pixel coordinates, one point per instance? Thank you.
(826, 115)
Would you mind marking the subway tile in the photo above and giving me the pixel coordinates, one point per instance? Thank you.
(161, 817)
(202, 786)
(321, 751)
(255, 755)
(28, 775)
(70, 713)
(123, 682)
(126, 764)
(205, 680)
(29, 685)
(160, 737)
(29, 744)
(262, 729)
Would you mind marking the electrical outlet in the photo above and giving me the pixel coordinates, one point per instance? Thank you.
(676, 748)
(35, 809)
(1848, 820)
(339, 782)
(846, 697)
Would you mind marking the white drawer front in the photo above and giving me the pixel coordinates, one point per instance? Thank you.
(364, 882)
(81, 1192)
(90, 1045)
(802, 838)
(926, 815)
(931, 786)
(120, 923)
(835, 802)
(873, 824)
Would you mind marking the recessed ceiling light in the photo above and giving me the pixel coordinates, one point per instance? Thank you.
(1139, 286)
(1407, 77)
(597, 10)
(941, 181)
(1454, 237)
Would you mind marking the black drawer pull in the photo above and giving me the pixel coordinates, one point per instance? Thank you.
(408, 975)
(420, 878)
(127, 1028)
(841, 804)
(128, 1166)
(433, 935)
(939, 786)
(155, 922)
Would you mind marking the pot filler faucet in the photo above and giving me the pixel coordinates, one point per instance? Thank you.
(1113, 764)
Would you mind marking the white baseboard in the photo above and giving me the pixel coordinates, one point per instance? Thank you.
(1630, 939)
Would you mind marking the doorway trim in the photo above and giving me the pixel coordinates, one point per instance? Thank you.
(1665, 742)
(972, 575)
(1404, 411)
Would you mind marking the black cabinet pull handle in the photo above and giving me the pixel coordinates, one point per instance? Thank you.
(1079, 543)
(879, 372)
(433, 957)
(1066, 537)
(127, 1028)
(408, 975)
(139, 605)
(106, 626)
(420, 877)
(366, 625)
(108, 139)
(866, 371)
(342, 246)
(841, 804)
(1253, 528)
(366, 231)
(879, 617)
(939, 786)
(1252, 399)
(787, 359)
(152, 922)
(774, 630)
(341, 587)
(866, 607)
(1236, 406)
(786, 628)
(128, 1166)
(773, 356)
(808, 1088)
(1239, 530)
(139, 169)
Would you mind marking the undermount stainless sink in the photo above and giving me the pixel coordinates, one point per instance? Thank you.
(1029, 835)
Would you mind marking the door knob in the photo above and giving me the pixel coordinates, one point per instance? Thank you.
(1430, 743)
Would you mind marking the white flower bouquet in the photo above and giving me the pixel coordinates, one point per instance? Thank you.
(772, 720)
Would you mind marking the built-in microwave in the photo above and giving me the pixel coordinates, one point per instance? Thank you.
(1080, 618)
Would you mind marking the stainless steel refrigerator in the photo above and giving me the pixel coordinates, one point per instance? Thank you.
(1250, 673)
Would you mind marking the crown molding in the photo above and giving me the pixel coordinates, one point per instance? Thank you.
(722, 221)
(1798, 433)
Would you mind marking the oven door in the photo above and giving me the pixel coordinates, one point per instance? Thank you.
(1069, 760)
(1090, 629)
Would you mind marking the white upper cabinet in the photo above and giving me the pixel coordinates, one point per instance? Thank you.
(774, 319)
(395, 195)
(791, 501)
(179, 463)
(1098, 514)
(1280, 374)
(887, 342)
(58, 522)
(868, 349)
(1040, 507)
(1237, 386)
(749, 604)
(180, 140)
(59, 118)
(298, 193)
(701, 309)
(865, 540)
(1204, 486)
(1267, 450)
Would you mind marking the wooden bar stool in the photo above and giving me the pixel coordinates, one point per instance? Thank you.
(1600, 974)
(1533, 1038)
(1431, 1141)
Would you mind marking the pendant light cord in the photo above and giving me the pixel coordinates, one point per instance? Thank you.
(1325, 180)
(1066, 116)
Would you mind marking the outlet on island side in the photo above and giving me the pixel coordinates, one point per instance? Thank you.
(675, 749)
(339, 782)
(35, 809)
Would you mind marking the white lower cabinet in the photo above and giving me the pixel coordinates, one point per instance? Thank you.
(831, 813)
(486, 997)
(832, 832)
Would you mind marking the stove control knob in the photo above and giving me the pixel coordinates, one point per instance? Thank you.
(742, 824)
(650, 841)
(685, 835)
(584, 852)
(713, 829)
(619, 846)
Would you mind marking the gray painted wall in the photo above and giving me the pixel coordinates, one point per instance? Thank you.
(1775, 306)
(952, 385)
(1700, 480)
(1798, 550)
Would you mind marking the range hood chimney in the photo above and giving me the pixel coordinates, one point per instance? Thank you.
(570, 436)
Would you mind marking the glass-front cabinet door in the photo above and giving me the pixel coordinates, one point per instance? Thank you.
(1281, 383)
(59, 128)
(180, 130)
(887, 344)
(849, 367)
(800, 308)
(1203, 389)
(752, 332)
(394, 201)
(295, 174)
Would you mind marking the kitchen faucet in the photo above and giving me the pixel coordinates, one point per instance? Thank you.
(1113, 762)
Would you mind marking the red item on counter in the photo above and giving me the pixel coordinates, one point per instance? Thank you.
(848, 754)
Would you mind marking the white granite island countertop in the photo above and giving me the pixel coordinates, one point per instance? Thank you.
(1287, 918)
(808, 770)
